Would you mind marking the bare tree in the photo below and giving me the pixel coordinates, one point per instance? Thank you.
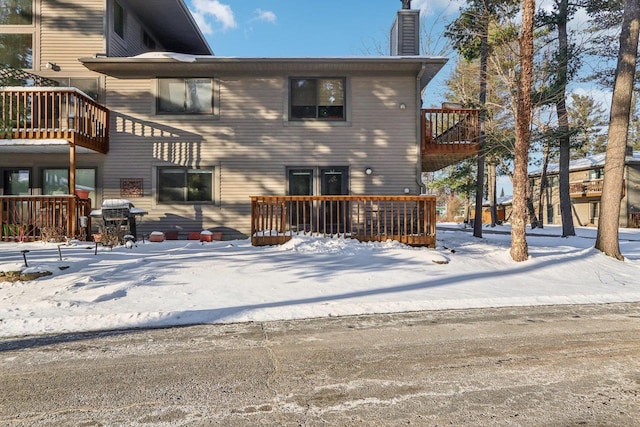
(607, 239)
(519, 247)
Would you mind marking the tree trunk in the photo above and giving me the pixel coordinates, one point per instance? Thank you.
(492, 192)
(484, 52)
(607, 239)
(543, 187)
(563, 121)
(519, 248)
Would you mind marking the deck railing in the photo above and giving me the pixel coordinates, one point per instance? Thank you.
(54, 113)
(29, 218)
(590, 188)
(443, 126)
(407, 219)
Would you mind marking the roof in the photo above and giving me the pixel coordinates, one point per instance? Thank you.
(172, 25)
(588, 162)
(168, 64)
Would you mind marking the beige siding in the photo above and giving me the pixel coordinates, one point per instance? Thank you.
(70, 30)
(251, 144)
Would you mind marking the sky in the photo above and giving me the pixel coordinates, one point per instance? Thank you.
(183, 282)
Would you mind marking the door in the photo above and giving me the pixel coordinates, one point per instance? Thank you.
(334, 182)
(301, 184)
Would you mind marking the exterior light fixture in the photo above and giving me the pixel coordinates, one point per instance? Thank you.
(407, 190)
(53, 66)
(368, 171)
(403, 106)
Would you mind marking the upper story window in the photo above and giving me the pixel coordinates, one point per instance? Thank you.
(118, 19)
(16, 50)
(16, 12)
(317, 98)
(596, 174)
(16, 33)
(148, 41)
(185, 96)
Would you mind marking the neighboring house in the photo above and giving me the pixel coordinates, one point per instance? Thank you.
(189, 136)
(585, 187)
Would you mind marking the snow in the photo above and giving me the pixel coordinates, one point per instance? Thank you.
(182, 282)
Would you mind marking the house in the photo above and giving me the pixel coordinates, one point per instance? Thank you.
(146, 112)
(586, 177)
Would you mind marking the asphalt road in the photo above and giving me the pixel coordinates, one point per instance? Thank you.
(540, 366)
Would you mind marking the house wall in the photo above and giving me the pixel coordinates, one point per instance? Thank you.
(251, 143)
(582, 207)
(132, 44)
(68, 30)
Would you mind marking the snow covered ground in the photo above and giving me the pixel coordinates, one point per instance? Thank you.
(188, 282)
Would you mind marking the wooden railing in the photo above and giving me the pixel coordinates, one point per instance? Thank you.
(590, 188)
(634, 220)
(28, 218)
(448, 136)
(450, 126)
(407, 219)
(54, 113)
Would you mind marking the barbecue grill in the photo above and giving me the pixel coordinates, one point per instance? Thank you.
(118, 216)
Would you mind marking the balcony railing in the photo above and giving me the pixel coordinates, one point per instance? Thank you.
(589, 188)
(54, 113)
(29, 218)
(407, 219)
(448, 136)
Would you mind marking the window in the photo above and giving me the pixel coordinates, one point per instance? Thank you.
(596, 174)
(17, 182)
(87, 85)
(177, 184)
(594, 210)
(314, 98)
(185, 96)
(16, 12)
(16, 50)
(148, 41)
(118, 19)
(56, 181)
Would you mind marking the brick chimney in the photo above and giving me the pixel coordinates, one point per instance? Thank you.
(405, 32)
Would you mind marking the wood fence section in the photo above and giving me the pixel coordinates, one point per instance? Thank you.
(407, 219)
(29, 218)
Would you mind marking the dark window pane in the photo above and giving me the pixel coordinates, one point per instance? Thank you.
(118, 19)
(16, 12)
(171, 184)
(16, 50)
(199, 185)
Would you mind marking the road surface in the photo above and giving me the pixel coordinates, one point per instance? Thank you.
(529, 366)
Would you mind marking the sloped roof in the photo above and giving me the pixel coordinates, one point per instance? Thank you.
(588, 162)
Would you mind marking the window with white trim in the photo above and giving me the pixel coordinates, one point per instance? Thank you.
(185, 96)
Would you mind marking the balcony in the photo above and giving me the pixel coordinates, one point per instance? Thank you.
(448, 137)
(587, 188)
(407, 219)
(52, 113)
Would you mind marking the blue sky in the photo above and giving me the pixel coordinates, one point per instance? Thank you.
(328, 28)
(304, 28)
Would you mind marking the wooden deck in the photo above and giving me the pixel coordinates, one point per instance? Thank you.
(589, 188)
(54, 113)
(407, 219)
(448, 137)
(29, 218)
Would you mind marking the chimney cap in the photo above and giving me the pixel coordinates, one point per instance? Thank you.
(406, 4)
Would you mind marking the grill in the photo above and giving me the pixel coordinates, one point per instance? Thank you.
(118, 218)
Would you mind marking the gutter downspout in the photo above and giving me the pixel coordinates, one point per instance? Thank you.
(421, 185)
